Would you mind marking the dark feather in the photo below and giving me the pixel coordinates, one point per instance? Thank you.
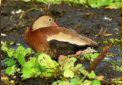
(63, 48)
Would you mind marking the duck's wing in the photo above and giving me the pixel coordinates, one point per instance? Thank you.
(70, 36)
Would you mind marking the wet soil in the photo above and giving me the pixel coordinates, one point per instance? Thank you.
(86, 21)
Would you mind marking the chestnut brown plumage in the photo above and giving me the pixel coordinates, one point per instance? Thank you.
(46, 37)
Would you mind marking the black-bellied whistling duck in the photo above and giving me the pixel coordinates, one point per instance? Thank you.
(46, 36)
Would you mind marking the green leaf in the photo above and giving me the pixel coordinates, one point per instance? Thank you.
(64, 83)
(107, 2)
(27, 72)
(20, 49)
(81, 69)
(42, 68)
(9, 62)
(26, 0)
(93, 56)
(11, 42)
(87, 82)
(10, 70)
(10, 52)
(28, 51)
(118, 68)
(112, 40)
(29, 68)
(92, 75)
(74, 81)
(68, 63)
(117, 4)
(48, 75)
(59, 82)
(21, 59)
(78, 66)
(68, 73)
(116, 82)
(96, 82)
(21, 55)
(4, 46)
(56, 82)
(93, 3)
(105, 42)
(45, 60)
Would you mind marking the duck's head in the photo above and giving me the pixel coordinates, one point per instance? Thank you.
(43, 21)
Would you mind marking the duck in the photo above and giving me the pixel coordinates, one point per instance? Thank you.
(45, 36)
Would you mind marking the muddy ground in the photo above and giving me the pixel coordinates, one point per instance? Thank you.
(86, 21)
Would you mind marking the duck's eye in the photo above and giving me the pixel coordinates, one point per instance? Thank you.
(50, 19)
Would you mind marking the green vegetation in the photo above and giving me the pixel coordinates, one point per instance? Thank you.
(90, 56)
(117, 66)
(41, 65)
(116, 82)
(115, 42)
(87, 3)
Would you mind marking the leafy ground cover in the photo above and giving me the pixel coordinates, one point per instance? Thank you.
(44, 67)
(86, 3)
(41, 65)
